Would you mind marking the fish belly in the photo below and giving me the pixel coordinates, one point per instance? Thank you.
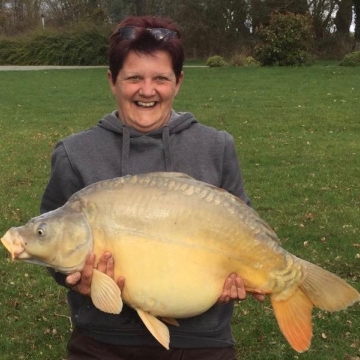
(168, 279)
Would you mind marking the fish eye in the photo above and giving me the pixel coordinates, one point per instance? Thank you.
(41, 230)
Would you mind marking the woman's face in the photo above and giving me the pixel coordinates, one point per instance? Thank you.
(145, 90)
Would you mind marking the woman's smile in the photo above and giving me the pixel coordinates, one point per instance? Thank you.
(145, 104)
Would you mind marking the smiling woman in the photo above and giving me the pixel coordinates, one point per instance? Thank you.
(144, 134)
(145, 72)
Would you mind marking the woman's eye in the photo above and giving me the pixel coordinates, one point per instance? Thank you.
(161, 78)
(134, 78)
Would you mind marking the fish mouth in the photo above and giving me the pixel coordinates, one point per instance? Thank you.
(14, 244)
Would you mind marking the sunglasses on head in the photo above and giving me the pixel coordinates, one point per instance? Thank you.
(130, 33)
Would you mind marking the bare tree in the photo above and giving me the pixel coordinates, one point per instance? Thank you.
(61, 12)
(213, 26)
(321, 11)
(4, 16)
(19, 15)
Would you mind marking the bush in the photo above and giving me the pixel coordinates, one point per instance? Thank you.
(243, 60)
(216, 61)
(238, 59)
(333, 46)
(82, 47)
(352, 59)
(286, 41)
(8, 50)
(250, 61)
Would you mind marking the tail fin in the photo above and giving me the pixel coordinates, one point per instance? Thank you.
(319, 288)
(326, 290)
(294, 318)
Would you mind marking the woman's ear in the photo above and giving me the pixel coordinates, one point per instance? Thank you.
(180, 80)
(111, 83)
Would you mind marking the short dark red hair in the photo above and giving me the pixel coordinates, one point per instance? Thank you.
(145, 42)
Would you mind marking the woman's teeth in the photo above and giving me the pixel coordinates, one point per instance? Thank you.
(145, 104)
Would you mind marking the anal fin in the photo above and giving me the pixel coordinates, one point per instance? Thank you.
(105, 294)
(170, 321)
(157, 328)
(294, 318)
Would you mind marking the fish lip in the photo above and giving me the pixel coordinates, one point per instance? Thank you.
(14, 244)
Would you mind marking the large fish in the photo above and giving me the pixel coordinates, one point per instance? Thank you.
(170, 234)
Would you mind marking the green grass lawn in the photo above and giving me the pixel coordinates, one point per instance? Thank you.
(297, 132)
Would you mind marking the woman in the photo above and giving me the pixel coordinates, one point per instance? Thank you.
(143, 135)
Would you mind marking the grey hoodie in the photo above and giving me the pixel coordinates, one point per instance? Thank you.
(112, 149)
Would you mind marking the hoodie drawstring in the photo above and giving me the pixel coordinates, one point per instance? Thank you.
(125, 151)
(167, 150)
(125, 168)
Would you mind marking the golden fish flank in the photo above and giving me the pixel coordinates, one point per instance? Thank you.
(200, 233)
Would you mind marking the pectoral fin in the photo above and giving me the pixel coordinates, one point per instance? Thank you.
(105, 294)
(157, 328)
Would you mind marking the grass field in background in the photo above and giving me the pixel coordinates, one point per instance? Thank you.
(297, 132)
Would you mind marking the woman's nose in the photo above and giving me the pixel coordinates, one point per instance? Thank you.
(147, 88)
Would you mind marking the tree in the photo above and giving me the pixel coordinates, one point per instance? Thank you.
(4, 15)
(262, 10)
(212, 27)
(65, 12)
(322, 11)
(258, 14)
(118, 9)
(357, 23)
(18, 15)
(297, 6)
(343, 16)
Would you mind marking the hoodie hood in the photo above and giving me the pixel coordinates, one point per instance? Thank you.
(177, 123)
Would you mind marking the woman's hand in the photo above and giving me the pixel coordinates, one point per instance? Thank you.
(234, 289)
(81, 281)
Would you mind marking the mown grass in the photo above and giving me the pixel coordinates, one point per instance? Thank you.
(297, 133)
